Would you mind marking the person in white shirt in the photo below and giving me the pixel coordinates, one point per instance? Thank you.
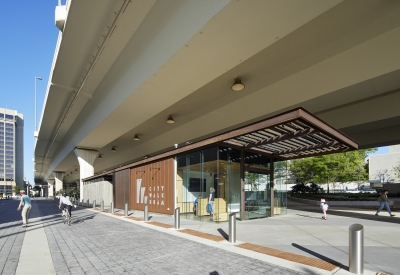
(324, 206)
(65, 203)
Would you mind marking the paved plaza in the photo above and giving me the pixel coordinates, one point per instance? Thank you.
(102, 243)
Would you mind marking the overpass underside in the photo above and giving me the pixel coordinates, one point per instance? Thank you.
(121, 68)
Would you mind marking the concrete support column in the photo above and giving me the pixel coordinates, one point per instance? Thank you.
(58, 176)
(86, 159)
(51, 188)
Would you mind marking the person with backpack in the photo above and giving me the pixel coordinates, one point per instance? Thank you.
(384, 202)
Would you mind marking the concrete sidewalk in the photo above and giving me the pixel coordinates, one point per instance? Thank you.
(303, 232)
(102, 243)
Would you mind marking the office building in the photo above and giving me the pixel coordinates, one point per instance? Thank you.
(11, 150)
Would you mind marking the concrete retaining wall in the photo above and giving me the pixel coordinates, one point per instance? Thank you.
(101, 190)
(341, 203)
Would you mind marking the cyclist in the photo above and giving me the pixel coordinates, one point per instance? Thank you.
(65, 203)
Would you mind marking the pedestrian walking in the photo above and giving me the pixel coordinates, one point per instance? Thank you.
(384, 202)
(26, 203)
(324, 206)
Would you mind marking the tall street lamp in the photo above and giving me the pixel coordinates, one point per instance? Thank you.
(36, 78)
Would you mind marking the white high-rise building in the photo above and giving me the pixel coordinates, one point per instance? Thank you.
(11, 150)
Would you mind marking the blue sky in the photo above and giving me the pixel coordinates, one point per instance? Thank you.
(28, 40)
(29, 37)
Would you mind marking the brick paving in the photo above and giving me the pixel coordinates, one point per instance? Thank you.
(98, 244)
(11, 236)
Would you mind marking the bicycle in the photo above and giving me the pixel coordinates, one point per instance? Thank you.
(66, 217)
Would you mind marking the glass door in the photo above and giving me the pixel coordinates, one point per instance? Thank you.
(257, 197)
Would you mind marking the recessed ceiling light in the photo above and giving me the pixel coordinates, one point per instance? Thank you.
(113, 149)
(136, 137)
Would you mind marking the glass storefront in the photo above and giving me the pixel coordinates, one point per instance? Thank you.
(215, 173)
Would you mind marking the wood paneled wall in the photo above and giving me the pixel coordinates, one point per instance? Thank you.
(121, 185)
(153, 184)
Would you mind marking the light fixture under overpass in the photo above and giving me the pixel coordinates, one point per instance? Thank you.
(170, 120)
(238, 85)
(136, 137)
(100, 156)
(113, 149)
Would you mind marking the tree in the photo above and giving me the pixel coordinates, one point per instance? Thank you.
(16, 189)
(73, 192)
(251, 179)
(396, 170)
(341, 167)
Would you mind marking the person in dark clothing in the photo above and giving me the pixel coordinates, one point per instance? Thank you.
(384, 202)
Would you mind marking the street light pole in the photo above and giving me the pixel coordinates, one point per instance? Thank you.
(36, 78)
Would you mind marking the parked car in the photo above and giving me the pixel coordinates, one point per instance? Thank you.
(353, 191)
(368, 190)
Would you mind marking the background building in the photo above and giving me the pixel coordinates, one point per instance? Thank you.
(381, 166)
(11, 149)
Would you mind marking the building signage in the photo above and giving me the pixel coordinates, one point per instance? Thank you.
(155, 194)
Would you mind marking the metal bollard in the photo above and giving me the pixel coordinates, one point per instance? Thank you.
(356, 248)
(126, 210)
(146, 213)
(94, 204)
(102, 205)
(112, 207)
(232, 227)
(87, 203)
(177, 218)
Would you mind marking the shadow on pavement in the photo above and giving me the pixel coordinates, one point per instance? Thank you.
(309, 208)
(223, 234)
(317, 255)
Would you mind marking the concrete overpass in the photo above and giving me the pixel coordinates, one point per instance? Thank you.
(122, 67)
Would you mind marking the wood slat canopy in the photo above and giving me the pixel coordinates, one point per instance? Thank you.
(294, 134)
(290, 135)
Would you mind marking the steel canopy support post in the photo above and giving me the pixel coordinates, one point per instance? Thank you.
(242, 183)
(272, 186)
